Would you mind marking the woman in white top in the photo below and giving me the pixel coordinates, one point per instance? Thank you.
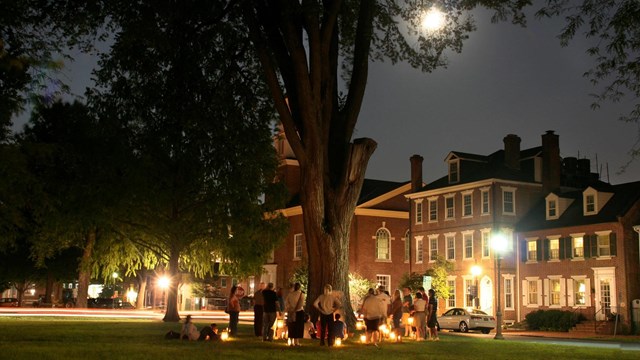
(189, 331)
(294, 306)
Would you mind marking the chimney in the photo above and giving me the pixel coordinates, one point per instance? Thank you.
(416, 172)
(551, 162)
(512, 151)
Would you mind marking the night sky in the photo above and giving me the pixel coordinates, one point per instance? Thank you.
(507, 79)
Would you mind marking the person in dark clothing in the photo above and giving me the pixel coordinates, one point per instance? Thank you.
(258, 310)
(270, 312)
(209, 333)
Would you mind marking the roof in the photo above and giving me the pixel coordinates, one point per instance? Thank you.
(474, 167)
(371, 189)
(624, 197)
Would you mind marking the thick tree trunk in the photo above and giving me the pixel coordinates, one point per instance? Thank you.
(171, 313)
(84, 272)
(327, 228)
(142, 289)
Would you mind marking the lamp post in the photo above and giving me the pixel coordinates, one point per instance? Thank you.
(476, 270)
(499, 244)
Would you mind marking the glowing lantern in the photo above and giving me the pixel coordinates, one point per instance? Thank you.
(338, 341)
(224, 336)
(363, 339)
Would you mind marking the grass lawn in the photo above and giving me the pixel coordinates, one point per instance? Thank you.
(82, 338)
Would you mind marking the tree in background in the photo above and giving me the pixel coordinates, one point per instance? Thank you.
(185, 86)
(438, 273)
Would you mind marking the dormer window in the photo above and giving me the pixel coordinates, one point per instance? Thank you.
(552, 209)
(454, 171)
(594, 200)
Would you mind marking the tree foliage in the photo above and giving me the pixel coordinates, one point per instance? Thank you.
(614, 27)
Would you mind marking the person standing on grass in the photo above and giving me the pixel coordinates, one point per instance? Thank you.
(373, 309)
(258, 309)
(326, 304)
(396, 313)
(419, 316)
(294, 306)
(270, 312)
(233, 309)
(407, 305)
(432, 320)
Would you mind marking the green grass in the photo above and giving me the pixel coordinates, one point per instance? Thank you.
(82, 338)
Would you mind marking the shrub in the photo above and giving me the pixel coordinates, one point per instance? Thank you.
(552, 320)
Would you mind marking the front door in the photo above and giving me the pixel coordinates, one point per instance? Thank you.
(605, 292)
(486, 295)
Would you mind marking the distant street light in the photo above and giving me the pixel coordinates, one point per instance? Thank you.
(476, 270)
(499, 244)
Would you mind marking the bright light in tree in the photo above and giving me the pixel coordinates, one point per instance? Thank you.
(163, 282)
(433, 19)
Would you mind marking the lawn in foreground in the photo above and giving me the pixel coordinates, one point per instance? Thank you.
(81, 338)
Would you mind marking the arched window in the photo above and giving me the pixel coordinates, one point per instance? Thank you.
(383, 245)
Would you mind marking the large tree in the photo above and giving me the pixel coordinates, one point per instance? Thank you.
(184, 84)
(315, 56)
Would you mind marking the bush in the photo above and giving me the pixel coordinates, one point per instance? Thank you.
(552, 320)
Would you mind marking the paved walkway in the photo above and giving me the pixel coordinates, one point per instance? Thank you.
(571, 335)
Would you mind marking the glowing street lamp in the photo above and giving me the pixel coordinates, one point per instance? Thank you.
(499, 244)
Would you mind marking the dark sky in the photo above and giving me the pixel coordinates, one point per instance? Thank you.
(507, 79)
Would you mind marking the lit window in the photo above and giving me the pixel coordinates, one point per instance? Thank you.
(532, 250)
(451, 301)
(382, 245)
(533, 292)
(554, 288)
(297, 247)
(580, 290)
(604, 245)
(384, 280)
(554, 249)
(578, 247)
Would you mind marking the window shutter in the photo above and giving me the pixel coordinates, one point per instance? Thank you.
(539, 250)
(613, 245)
(523, 251)
(586, 246)
(563, 291)
(593, 244)
(525, 292)
(587, 293)
(561, 249)
(546, 291)
(539, 292)
(568, 247)
(546, 249)
(570, 296)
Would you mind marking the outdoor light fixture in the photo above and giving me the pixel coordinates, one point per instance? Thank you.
(163, 282)
(499, 244)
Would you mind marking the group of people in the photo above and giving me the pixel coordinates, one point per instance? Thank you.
(190, 332)
(378, 306)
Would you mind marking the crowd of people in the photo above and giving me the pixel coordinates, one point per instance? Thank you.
(378, 308)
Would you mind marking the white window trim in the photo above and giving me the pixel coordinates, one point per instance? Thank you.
(554, 199)
(429, 238)
(446, 245)
(421, 212)
(528, 240)
(419, 238)
(455, 300)
(571, 292)
(573, 245)
(295, 246)
(406, 256)
(506, 189)
(457, 164)
(486, 239)
(388, 277)
(432, 200)
(470, 194)
(525, 292)
(556, 238)
(375, 238)
(446, 209)
(464, 245)
(510, 277)
(484, 190)
(585, 195)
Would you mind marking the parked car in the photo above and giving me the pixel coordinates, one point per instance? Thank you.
(463, 320)
(108, 303)
(9, 302)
